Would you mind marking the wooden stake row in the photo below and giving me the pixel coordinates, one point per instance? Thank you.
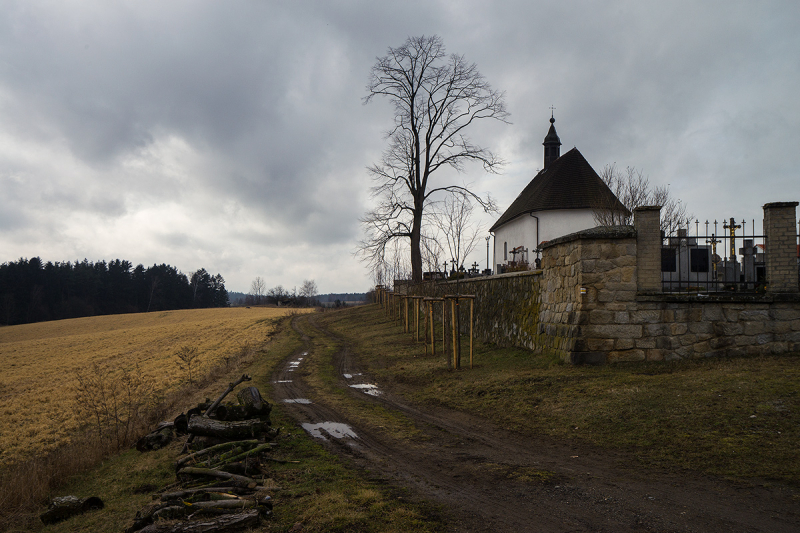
(396, 307)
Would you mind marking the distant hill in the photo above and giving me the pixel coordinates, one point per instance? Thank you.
(236, 298)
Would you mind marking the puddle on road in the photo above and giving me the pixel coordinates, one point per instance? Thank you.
(284, 381)
(367, 388)
(336, 430)
(297, 400)
(350, 376)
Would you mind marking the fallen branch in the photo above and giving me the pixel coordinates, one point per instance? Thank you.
(236, 480)
(223, 460)
(225, 446)
(228, 522)
(188, 493)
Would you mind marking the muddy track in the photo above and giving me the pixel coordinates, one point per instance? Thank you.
(488, 479)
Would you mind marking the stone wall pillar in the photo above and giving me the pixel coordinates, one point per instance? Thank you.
(780, 240)
(647, 222)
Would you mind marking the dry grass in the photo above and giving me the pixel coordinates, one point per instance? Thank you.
(41, 362)
(315, 488)
(737, 417)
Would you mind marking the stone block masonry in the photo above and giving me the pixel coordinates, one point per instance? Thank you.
(598, 299)
(779, 227)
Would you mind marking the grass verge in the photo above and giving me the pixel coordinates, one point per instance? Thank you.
(732, 417)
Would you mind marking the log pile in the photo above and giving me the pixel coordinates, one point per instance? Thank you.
(220, 478)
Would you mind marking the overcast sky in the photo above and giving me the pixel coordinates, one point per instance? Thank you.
(232, 135)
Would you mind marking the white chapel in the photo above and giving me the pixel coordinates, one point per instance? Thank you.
(559, 200)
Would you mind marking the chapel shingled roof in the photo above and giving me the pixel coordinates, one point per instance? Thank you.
(569, 182)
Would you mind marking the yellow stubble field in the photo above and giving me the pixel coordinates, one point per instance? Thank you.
(39, 363)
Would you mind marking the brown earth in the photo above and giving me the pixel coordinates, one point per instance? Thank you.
(488, 479)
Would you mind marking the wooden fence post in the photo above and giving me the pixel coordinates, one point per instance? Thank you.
(471, 322)
(416, 318)
(405, 314)
(425, 328)
(455, 333)
(444, 334)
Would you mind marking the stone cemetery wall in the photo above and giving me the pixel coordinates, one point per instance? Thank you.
(598, 299)
(506, 306)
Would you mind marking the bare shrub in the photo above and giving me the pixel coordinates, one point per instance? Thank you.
(116, 408)
(113, 404)
(188, 360)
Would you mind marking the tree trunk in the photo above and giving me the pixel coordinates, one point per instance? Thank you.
(254, 405)
(207, 427)
(416, 239)
(224, 523)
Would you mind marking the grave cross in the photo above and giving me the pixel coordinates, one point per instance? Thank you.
(733, 226)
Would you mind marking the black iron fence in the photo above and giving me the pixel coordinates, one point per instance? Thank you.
(725, 256)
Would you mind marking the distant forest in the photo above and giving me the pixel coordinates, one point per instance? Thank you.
(241, 298)
(32, 291)
(342, 297)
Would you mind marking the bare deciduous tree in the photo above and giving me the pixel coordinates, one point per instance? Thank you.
(453, 219)
(436, 98)
(258, 290)
(277, 294)
(633, 189)
(308, 291)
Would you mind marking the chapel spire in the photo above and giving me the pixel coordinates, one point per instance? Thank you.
(551, 143)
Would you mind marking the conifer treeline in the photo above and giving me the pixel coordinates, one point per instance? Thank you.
(32, 291)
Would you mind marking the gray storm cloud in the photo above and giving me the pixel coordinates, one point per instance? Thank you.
(232, 136)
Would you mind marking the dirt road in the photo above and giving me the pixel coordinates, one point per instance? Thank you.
(490, 480)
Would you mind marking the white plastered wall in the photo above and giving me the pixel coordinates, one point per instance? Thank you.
(522, 231)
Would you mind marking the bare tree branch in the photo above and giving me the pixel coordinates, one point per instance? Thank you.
(453, 218)
(633, 190)
(436, 98)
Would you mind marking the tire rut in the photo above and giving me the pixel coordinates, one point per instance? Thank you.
(488, 479)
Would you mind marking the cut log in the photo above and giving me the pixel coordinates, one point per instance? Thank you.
(237, 481)
(159, 438)
(230, 388)
(208, 427)
(189, 493)
(213, 406)
(144, 517)
(220, 524)
(250, 398)
(234, 412)
(64, 507)
(181, 424)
